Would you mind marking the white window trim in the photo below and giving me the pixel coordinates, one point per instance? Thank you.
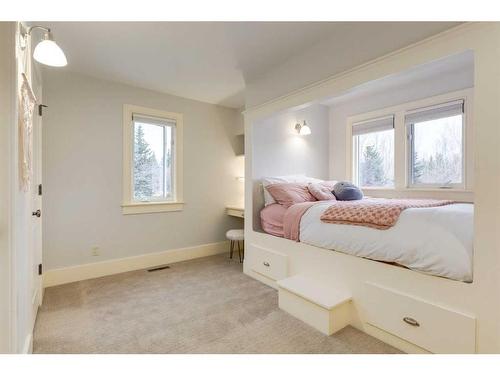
(128, 205)
(402, 176)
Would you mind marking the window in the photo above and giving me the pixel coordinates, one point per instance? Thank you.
(436, 145)
(153, 151)
(421, 145)
(152, 160)
(373, 146)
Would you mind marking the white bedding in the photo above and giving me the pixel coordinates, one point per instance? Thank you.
(436, 240)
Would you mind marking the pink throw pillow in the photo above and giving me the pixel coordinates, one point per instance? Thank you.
(290, 193)
(322, 191)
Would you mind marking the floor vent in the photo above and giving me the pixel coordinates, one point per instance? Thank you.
(158, 268)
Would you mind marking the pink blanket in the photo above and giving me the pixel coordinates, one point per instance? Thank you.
(376, 213)
(291, 220)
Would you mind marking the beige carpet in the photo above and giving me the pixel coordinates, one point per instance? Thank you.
(205, 305)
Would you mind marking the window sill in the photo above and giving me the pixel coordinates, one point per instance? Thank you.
(459, 195)
(378, 188)
(457, 189)
(151, 207)
(423, 189)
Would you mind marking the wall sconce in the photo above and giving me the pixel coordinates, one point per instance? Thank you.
(46, 52)
(302, 129)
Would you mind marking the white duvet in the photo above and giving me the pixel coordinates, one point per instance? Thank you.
(435, 240)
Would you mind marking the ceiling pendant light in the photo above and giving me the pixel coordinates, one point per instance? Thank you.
(46, 52)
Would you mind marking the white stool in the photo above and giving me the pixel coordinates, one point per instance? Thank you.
(236, 235)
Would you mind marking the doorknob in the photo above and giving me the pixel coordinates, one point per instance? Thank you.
(37, 213)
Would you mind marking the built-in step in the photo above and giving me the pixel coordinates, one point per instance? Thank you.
(321, 306)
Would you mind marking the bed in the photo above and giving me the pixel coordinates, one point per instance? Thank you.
(435, 240)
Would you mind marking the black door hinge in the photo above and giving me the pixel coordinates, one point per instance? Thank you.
(40, 269)
(40, 109)
(40, 189)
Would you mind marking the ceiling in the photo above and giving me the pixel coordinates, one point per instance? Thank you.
(461, 63)
(207, 61)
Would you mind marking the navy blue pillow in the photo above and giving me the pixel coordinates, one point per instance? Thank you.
(345, 191)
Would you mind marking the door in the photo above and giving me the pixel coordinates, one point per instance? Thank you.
(36, 199)
(26, 285)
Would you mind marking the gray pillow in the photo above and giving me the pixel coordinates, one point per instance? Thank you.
(345, 191)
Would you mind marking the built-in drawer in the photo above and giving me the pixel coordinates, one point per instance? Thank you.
(268, 263)
(432, 327)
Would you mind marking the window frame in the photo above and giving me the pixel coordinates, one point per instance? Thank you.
(410, 129)
(129, 205)
(402, 177)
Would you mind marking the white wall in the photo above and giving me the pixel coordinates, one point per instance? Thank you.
(7, 128)
(278, 150)
(391, 95)
(83, 173)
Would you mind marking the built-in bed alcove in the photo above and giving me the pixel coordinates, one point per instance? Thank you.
(328, 289)
(279, 150)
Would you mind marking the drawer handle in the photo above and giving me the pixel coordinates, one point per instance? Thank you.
(411, 321)
(266, 264)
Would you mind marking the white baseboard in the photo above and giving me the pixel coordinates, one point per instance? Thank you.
(114, 266)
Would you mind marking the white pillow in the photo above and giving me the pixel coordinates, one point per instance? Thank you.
(268, 199)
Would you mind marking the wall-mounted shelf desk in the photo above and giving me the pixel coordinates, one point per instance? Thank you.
(236, 211)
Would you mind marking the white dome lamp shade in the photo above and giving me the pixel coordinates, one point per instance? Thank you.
(303, 129)
(47, 52)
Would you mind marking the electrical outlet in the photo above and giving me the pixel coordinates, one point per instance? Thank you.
(95, 251)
